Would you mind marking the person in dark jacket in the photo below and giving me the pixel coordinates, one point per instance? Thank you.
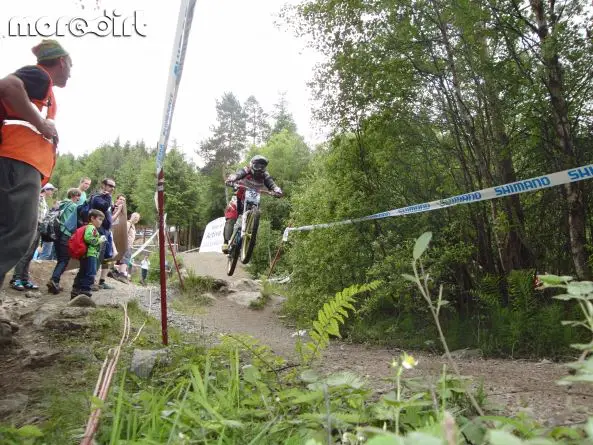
(67, 228)
(256, 173)
(103, 201)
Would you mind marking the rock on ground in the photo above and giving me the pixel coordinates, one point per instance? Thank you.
(465, 354)
(144, 361)
(76, 312)
(13, 403)
(82, 301)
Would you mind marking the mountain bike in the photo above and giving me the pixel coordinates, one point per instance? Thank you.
(244, 235)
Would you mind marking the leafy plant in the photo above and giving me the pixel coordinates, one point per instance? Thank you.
(329, 318)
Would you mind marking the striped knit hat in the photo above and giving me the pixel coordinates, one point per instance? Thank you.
(48, 49)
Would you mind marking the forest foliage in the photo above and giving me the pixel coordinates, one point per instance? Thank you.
(425, 101)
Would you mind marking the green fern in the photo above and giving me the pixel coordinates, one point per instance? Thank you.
(488, 293)
(329, 318)
(521, 291)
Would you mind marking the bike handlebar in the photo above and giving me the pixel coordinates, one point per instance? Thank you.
(260, 190)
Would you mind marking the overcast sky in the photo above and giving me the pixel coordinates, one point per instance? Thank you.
(118, 85)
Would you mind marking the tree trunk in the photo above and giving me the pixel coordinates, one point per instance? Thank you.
(512, 251)
(564, 142)
(515, 251)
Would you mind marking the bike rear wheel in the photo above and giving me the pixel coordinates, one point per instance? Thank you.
(250, 236)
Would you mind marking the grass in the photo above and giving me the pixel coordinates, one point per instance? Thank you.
(238, 392)
(59, 401)
(193, 297)
(268, 289)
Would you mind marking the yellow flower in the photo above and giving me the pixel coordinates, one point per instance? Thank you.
(408, 362)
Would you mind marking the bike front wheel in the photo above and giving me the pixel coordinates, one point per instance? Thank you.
(232, 258)
(249, 236)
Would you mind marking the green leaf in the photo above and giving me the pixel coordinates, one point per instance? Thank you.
(418, 438)
(386, 440)
(310, 376)
(96, 402)
(251, 374)
(580, 288)
(409, 277)
(589, 427)
(473, 432)
(309, 397)
(581, 346)
(499, 437)
(29, 431)
(422, 244)
(564, 297)
(345, 378)
(552, 280)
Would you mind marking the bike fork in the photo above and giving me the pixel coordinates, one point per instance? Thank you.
(237, 230)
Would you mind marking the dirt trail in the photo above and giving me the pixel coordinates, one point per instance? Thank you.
(513, 385)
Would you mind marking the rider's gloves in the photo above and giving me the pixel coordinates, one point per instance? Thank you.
(229, 181)
(278, 192)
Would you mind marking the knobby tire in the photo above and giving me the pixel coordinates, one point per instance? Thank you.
(250, 236)
(233, 256)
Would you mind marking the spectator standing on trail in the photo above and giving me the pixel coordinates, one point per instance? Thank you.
(28, 144)
(144, 266)
(103, 202)
(84, 185)
(118, 210)
(48, 249)
(20, 279)
(68, 219)
(127, 257)
(89, 261)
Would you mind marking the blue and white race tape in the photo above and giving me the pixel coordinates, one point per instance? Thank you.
(514, 188)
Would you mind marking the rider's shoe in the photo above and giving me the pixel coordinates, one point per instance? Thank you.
(225, 248)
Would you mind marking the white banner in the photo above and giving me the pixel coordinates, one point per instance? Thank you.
(514, 188)
(213, 236)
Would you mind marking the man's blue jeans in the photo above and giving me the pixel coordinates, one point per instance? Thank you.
(47, 251)
(63, 255)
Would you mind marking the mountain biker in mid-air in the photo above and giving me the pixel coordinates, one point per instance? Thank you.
(256, 173)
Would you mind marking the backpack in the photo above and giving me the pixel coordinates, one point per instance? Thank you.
(71, 224)
(49, 229)
(77, 248)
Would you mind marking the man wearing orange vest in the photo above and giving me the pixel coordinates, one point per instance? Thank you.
(28, 143)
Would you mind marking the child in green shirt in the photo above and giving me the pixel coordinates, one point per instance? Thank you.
(88, 263)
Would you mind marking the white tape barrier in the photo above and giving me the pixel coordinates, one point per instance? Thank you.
(186, 12)
(147, 242)
(514, 188)
(144, 246)
(213, 236)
